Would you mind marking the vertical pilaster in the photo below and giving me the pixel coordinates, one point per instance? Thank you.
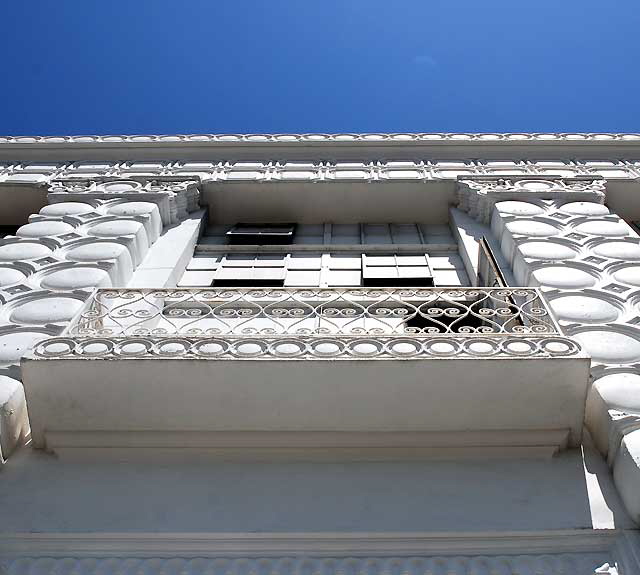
(587, 262)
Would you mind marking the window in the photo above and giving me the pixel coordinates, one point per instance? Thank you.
(396, 270)
(258, 234)
(8, 231)
(238, 270)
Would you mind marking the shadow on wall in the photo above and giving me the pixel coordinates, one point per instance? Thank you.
(43, 493)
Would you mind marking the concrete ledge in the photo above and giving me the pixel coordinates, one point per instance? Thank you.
(508, 399)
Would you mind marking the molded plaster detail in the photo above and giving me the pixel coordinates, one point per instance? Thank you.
(55, 261)
(106, 179)
(593, 291)
(477, 197)
(337, 137)
(264, 348)
(174, 197)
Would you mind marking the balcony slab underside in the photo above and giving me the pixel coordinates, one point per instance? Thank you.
(368, 408)
(364, 373)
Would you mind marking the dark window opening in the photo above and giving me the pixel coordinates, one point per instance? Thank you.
(472, 317)
(396, 270)
(397, 282)
(260, 234)
(8, 231)
(270, 282)
(445, 322)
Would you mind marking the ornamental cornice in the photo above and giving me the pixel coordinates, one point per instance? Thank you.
(69, 174)
(369, 138)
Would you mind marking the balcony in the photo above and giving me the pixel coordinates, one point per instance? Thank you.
(359, 371)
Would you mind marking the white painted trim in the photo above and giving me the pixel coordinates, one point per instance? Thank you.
(167, 259)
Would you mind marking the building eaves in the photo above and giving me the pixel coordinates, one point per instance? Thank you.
(341, 146)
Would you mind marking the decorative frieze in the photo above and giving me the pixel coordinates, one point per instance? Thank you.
(339, 137)
(78, 176)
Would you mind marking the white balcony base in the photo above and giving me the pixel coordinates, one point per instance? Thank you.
(416, 406)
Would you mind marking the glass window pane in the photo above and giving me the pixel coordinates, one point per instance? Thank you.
(345, 234)
(302, 278)
(343, 277)
(234, 273)
(414, 272)
(446, 262)
(304, 261)
(203, 263)
(377, 234)
(197, 279)
(418, 260)
(345, 262)
(405, 234)
(269, 273)
(387, 260)
(241, 260)
(456, 277)
(270, 260)
(380, 272)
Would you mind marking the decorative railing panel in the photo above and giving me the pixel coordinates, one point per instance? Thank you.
(312, 323)
(274, 312)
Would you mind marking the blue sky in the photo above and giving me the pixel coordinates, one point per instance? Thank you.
(201, 66)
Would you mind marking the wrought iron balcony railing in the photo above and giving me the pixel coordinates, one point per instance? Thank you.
(312, 311)
(312, 322)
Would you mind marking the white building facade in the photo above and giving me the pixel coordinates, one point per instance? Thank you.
(367, 353)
